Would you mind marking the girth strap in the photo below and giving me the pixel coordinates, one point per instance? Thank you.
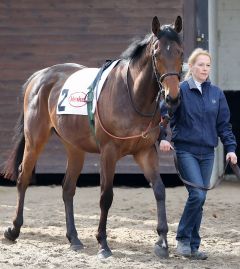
(90, 96)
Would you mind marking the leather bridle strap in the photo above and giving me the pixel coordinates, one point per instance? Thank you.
(160, 78)
(234, 167)
(151, 114)
(163, 76)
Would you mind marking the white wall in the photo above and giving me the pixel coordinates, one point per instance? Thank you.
(224, 46)
(228, 41)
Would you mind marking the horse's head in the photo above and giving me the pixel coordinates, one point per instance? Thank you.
(167, 57)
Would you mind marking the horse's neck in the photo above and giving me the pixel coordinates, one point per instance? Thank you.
(144, 85)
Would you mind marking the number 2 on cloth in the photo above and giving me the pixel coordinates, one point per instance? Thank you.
(64, 96)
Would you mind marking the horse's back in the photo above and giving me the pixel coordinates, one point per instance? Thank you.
(42, 90)
(72, 129)
(49, 76)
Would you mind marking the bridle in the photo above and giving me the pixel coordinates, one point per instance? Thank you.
(160, 78)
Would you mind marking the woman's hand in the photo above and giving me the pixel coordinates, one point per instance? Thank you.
(232, 157)
(165, 145)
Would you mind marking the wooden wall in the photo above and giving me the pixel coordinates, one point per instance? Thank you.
(37, 34)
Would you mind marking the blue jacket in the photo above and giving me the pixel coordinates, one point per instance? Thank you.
(201, 118)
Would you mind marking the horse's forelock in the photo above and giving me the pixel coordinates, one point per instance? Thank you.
(169, 32)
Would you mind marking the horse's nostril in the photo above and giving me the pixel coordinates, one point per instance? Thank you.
(167, 99)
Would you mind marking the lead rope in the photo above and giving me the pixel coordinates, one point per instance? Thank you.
(234, 167)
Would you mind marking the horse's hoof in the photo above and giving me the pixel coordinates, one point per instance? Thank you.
(10, 234)
(75, 244)
(77, 247)
(104, 253)
(161, 252)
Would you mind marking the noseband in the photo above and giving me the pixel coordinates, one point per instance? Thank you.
(161, 78)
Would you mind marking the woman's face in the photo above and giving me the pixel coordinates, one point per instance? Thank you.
(201, 68)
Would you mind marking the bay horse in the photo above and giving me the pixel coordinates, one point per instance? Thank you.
(126, 122)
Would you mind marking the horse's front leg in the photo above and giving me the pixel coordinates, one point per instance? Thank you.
(148, 161)
(108, 163)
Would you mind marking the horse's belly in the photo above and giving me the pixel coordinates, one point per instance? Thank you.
(74, 130)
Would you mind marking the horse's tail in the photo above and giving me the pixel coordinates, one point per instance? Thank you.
(11, 166)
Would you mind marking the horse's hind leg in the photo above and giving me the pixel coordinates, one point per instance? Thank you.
(148, 161)
(74, 167)
(33, 146)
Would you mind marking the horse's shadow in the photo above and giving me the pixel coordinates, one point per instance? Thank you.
(7, 242)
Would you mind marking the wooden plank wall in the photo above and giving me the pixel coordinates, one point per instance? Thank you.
(37, 34)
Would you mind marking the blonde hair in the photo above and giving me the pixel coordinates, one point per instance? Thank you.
(193, 57)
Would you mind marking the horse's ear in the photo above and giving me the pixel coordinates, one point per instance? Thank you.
(155, 26)
(178, 24)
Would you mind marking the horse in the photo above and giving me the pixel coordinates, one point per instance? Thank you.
(126, 122)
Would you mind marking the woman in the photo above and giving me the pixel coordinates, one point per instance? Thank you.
(202, 116)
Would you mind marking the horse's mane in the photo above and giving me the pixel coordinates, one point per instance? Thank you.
(137, 45)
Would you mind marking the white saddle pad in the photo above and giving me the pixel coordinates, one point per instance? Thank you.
(73, 96)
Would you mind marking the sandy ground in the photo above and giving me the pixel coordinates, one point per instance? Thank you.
(131, 229)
